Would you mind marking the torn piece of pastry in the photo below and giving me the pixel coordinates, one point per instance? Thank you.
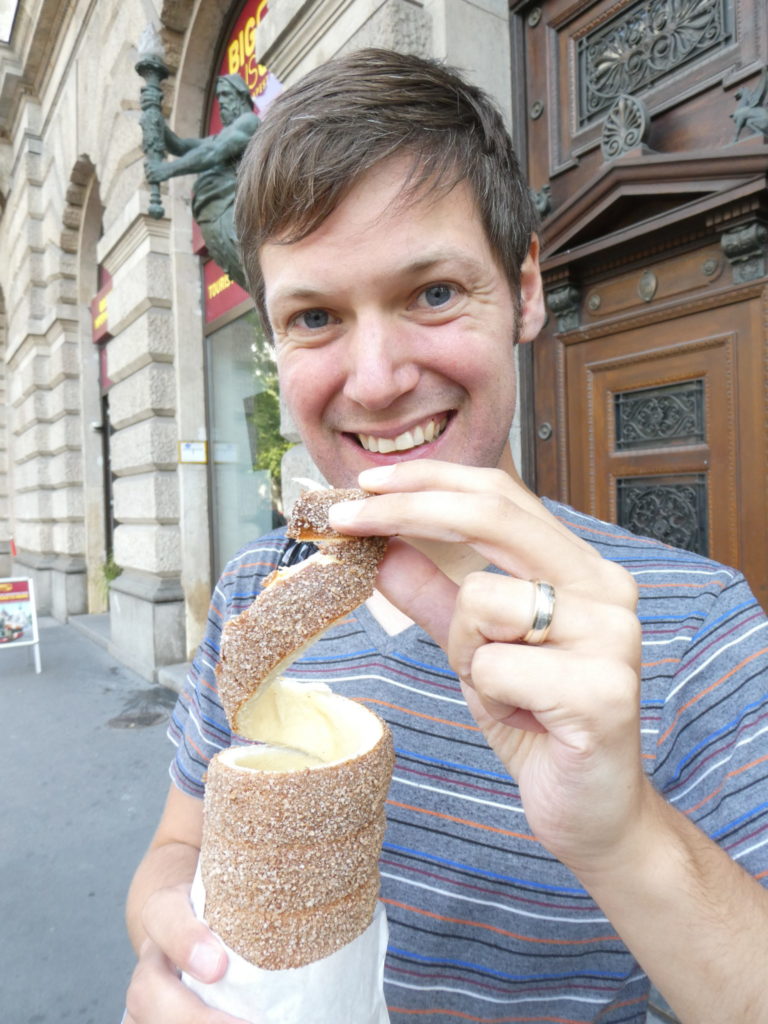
(293, 824)
(297, 604)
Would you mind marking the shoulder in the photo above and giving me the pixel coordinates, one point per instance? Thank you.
(666, 576)
(633, 550)
(243, 576)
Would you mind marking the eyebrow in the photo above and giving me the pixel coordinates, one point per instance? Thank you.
(307, 293)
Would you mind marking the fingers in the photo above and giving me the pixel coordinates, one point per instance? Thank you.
(177, 941)
(575, 697)
(158, 996)
(429, 474)
(508, 527)
(171, 923)
(414, 583)
(493, 608)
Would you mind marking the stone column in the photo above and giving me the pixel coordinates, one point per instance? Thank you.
(43, 369)
(146, 600)
(5, 511)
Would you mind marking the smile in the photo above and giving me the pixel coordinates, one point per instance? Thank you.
(423, 433)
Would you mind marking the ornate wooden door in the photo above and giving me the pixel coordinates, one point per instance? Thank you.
(648, 389)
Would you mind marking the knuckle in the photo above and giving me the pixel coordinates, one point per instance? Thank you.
(472, 590)
(620, 584)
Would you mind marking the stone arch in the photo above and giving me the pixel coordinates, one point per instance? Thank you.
(80, 234)
(187, 36)
(80, 181)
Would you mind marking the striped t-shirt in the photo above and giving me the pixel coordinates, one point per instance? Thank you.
(485, 925)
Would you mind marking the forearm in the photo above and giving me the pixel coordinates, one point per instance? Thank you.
(170, 860)
(696, 922)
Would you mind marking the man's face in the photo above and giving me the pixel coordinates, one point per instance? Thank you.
(229, 103)
(394, 328)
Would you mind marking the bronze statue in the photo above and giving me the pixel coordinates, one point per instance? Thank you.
(214, 159)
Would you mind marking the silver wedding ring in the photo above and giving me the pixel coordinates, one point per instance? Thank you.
(543, 610)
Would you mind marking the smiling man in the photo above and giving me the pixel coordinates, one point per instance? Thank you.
(576, 809)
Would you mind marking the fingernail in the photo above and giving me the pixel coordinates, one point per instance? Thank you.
(370, 479)
(205, 961)
(343, 514)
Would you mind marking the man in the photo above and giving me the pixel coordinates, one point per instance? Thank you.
(537, 865)
(215, 160)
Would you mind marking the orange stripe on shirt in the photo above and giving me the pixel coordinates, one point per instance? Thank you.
(461, 821)
(249, 565)
(729, 775)
(681, 586)
(420, 714)
(709, 689)
(494, 928)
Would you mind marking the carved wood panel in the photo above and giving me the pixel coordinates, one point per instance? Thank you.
(683, 62)
(674, 433)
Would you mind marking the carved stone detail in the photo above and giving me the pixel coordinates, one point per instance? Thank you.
(746, 248)
(626, 127)
(564, 301)
(542, 200)
(646, 41)
(752, 110)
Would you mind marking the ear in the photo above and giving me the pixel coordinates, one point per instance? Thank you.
(534, 312)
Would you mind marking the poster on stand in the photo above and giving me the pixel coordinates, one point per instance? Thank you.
(18, 615)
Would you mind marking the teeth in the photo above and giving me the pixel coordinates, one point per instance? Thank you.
(421, 434)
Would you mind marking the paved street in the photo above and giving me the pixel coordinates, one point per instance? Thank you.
(84, 780)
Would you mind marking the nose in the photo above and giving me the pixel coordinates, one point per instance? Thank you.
(380, 367)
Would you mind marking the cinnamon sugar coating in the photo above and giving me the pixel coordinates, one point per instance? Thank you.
(289, 860)
(278, 941)
(284, 878)
(308, 805)
(309, 516)
(288, 615)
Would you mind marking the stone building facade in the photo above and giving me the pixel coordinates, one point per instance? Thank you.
(111, 346)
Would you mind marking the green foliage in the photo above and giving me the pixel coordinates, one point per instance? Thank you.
(265, 420)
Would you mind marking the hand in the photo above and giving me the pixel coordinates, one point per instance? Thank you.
(156, 170)
(564, 716)
(176, 940)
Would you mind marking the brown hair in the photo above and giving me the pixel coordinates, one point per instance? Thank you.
(349, 114)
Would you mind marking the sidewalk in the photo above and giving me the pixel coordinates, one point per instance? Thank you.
(85, 778)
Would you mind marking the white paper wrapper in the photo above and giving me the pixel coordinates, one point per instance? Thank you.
(345, 986)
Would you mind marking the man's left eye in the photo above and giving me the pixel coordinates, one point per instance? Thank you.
(314, 319)
(437, 294)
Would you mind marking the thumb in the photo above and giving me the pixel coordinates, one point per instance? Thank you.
(415, 585)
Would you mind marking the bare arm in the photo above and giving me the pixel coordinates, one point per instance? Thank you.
(163, 928)
(169, 861)
(197, 155)
(695, 920)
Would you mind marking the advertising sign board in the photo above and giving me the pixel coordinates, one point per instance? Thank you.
(18, 615)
